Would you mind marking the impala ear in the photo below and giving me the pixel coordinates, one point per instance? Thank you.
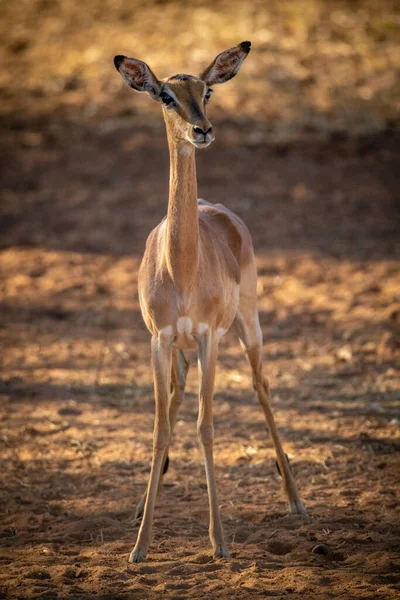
(226, 65)
(138, 75)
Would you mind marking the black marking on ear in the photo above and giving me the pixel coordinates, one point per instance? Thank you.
(118, 60)
(245, 46)
(181, 77)
(166, 465)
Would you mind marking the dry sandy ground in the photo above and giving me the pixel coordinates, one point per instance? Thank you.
(83, 181)
(76, 393)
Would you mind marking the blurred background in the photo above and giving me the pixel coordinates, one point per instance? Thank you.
(307, 152)
(317, 67)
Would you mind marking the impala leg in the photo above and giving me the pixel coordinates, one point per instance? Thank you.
(249, 331)
(161, 360)
(180, 367)
(208, 348)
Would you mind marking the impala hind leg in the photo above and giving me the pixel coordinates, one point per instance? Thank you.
(161, 354)
(247, 327)
(180, 367)
(208, 348)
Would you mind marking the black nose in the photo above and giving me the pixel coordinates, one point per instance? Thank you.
(201, 131)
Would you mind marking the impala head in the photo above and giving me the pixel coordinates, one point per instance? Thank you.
(184, 97)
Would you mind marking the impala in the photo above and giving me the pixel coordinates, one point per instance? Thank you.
(197, 279)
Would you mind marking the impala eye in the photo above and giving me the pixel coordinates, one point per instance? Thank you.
(166, 98)
(208, 94)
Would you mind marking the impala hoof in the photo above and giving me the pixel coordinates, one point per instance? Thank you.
(137, 555)
(298, 508)
(221, 552)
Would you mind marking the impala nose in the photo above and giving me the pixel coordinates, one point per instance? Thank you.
(201, 131)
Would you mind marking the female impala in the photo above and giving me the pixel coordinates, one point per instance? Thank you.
(197, 279)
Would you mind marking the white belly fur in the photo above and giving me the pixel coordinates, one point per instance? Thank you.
(183, 335)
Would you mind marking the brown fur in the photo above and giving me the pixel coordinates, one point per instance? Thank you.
(192, 258)
(197, 279)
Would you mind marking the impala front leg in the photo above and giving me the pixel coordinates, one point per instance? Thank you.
(179, 371)
(208, 348)
(161, 352)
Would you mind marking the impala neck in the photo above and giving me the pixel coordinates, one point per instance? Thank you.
(182, 236)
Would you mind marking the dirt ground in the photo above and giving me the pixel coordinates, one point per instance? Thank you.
(81, 190)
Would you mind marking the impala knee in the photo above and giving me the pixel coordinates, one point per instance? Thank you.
(206, 434)
(260, 381)
(177, 390)
(161, 438)
(261, 386)
(265, 384)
